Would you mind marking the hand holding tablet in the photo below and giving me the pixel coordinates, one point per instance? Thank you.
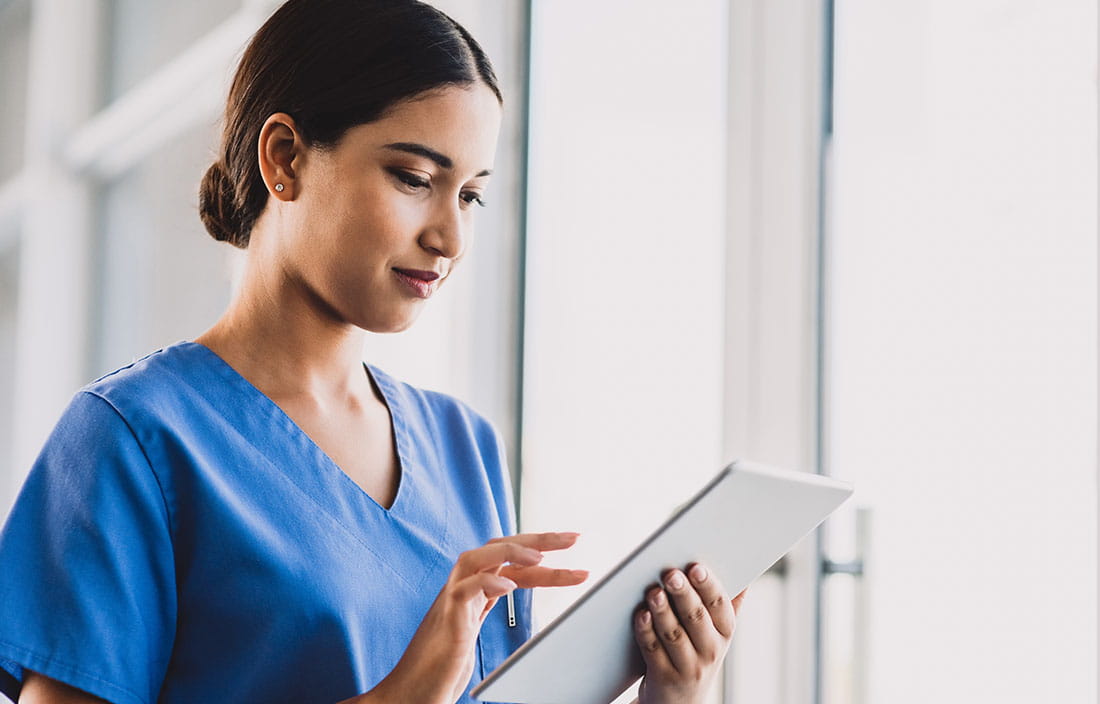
(737, 526)
(683, 630)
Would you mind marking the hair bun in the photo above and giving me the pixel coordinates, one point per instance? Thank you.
(218, 207)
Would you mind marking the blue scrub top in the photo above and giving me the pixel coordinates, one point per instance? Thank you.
(181, 539)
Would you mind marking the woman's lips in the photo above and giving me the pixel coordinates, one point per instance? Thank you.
(419, 283)
(418, 274)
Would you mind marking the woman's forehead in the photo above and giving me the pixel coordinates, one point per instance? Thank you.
(455, 127)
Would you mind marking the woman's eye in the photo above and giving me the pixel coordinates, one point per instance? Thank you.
(411, 180)
(470, 198)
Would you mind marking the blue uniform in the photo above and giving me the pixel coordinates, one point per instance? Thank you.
(181, 539)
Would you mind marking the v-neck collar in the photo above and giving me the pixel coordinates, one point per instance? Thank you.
(398, 428)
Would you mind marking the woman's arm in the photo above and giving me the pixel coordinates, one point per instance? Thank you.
(39, 689)
(439, 661)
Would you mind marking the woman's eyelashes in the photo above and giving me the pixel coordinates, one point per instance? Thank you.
(471, 197)
(409, 180)
(412, 183)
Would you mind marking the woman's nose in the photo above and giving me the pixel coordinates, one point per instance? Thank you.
(444, 233)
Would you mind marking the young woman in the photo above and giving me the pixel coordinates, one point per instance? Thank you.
(257, 515)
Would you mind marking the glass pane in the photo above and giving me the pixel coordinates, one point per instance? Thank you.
(147, 34)
(14, 45)
(625, 294)
(962, 351)
(161, 277)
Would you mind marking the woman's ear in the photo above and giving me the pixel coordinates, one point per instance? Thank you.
(281, 148)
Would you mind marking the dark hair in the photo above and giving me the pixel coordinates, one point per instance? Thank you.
(331, 65)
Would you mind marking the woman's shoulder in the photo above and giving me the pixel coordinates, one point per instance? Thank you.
(154, 383)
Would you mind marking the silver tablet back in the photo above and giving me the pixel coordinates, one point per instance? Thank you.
(742, 522)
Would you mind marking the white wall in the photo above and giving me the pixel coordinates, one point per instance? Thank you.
(962, 348)
(624, 366)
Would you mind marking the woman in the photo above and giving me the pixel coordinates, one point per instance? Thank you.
(257, 515)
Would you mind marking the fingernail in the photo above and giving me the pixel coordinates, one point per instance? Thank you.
(699, 574)
(582, 574)
(534, 554)
(657, 598)
(674, 581)
(643, 618)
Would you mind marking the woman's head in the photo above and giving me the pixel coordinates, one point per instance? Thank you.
(330, 65)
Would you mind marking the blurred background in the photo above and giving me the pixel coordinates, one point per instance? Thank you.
(856, 237)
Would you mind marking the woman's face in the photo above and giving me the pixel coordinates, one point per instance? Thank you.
(379, 221)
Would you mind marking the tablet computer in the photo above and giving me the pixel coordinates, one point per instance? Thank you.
(739, 524)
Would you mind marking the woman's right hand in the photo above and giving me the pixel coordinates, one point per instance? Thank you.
(439, 661)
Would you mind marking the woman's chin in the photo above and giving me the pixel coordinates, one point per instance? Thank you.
(391, 325)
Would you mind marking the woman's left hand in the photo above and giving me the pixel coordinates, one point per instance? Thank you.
(684, 630)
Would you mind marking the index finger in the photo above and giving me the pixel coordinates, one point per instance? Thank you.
(528, 577)
(540, 541)
(492, 556)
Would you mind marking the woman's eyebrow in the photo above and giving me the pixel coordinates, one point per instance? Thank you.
(444, 161)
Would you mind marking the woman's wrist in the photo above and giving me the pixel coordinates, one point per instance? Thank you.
(395, 689)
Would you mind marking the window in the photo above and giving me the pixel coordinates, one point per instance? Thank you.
(962, 351)
(144, 35)
(625, 285)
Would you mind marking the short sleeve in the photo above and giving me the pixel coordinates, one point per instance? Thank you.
(87, 579)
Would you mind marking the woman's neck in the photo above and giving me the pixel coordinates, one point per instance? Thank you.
(280, 337)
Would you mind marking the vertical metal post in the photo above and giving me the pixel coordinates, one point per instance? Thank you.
(521, 263)
(827, 37)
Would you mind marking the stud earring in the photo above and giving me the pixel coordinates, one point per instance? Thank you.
(279, 187)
